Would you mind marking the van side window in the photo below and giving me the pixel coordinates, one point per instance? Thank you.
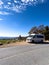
(38, 36)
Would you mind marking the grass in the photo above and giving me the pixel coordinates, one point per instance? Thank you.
(8, 41)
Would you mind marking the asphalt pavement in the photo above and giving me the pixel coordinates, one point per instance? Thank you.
(37, 54)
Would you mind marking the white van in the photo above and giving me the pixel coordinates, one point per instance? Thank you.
(35, 38)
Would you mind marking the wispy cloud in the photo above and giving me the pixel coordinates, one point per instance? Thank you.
(4, 13)
(1, 19)
(17, 5)
(1, 2)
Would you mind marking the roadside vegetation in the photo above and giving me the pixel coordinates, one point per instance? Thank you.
(14, 40)
(6, 41)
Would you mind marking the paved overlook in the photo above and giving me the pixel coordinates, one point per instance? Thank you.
(25, 55)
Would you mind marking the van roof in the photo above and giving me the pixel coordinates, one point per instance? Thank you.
(36, 34)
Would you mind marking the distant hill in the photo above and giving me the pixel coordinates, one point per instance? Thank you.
(8, 37)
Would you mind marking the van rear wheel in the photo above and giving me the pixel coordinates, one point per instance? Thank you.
(42, 41)
(33, 41)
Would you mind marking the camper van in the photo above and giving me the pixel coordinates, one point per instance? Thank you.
(35, 38)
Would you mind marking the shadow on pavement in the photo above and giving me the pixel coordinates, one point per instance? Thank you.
(39, 43)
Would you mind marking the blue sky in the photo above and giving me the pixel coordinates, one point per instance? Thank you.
(17, 17)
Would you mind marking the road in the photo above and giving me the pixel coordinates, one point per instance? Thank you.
(25, 55)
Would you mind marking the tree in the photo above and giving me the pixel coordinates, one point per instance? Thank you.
(41, 29)
(33, 30)
(46, 32)
(47, 28)
(19, 37)
(38, 29)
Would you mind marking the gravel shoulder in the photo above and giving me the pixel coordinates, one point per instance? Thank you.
(20, 44)
(15, 44)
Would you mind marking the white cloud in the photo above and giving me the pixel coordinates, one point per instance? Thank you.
(4, 13)
(25, 1)
(15, 1)
(1, 2)
(16, 8)
(17, 5)
(9, 3)
(1, 19)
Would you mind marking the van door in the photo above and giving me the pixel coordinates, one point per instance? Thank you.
(37, 38)
(40, 38)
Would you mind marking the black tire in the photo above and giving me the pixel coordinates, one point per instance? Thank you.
(41, 41)
(32, 41)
